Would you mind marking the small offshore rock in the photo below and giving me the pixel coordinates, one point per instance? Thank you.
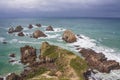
(38, 34)
(12, 55)
(39, 25)
(21, 34)
(49, 28)
(69, 36)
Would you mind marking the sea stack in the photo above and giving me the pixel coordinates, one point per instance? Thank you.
(21, 34)
(38, 25)
(38, 34)
(49, 28)
(69, 36)
(30, 26)
(17, 29)
(28, 54)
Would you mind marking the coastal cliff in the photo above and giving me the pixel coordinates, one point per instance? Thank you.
(64, 64)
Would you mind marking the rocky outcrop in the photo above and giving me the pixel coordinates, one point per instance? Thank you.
(49, 28)
(99, 61)
(1, 78)
(38, 34)
(12, 55)
(13, 76)
(28, 54)
(21, 34)
(30, 26)
(11, 30)
(39, 25)
(69, 36)
(17, 29)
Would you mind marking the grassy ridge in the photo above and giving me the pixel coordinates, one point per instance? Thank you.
(79, 66)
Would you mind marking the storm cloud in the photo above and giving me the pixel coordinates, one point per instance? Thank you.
(59, 8)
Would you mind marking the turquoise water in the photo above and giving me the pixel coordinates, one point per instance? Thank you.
(105, 32)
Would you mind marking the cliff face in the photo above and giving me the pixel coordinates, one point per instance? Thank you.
(67, 65)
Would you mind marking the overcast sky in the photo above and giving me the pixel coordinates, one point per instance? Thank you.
(59, 8)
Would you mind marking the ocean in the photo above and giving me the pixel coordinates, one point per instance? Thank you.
(99, 34)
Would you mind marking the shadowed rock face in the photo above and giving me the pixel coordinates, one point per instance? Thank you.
(12, 55)
(1, 78)
(21, 34)
(28, 54)
(17, 29)
(39, 25)
(49, 28)
(99, 61)
(69, 36)
(13, 76)
(30, 26)
(38, 34)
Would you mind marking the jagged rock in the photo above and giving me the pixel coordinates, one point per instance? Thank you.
(30, 26)
(13, 76)
(21, 34)
(69, 36)
(12, 55)
(94, 59)
(28, 54)
(49, 28)
(18, 29)
(38, 34)
(1, 78)
(39, 25)
(11, 30)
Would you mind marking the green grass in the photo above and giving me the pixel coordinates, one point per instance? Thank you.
(79, 65)
(38, 72)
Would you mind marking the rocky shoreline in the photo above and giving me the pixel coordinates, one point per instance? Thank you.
(50, 58)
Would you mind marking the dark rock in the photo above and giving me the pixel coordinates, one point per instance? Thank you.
(38, 34)
(13, 76)
(11, 61)
(1, 78)
(4, 42)
(49, 28)
(11, 30)
(69, 36)
(28, 54)
(18, 29)
(39, 25)
(94, 59)
(21, 34)
(12, 55)
(30, 26)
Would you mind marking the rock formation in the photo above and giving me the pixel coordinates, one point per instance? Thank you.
(21, 34)
(11, 30)
(12, 55)
(49, 28)
(1, 78)
(69, 36)
(99, 61)
(38, 34)
(39, 25)
(17, 29)
(30, 26)
(28, 54)
(13, 76)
